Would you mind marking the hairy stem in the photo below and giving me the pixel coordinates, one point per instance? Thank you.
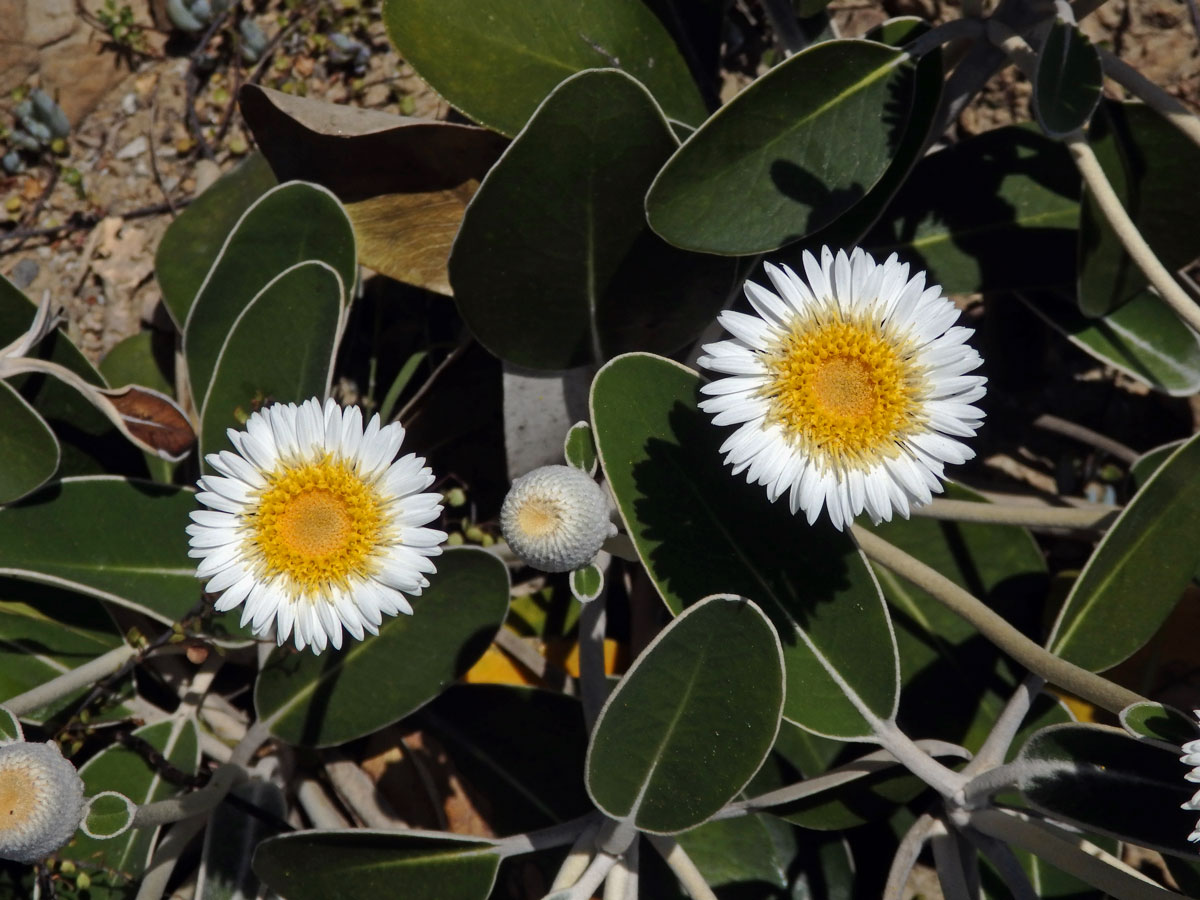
(995, 628)
(1088, 518)
(68, 682)
(683, 867)
(176, 809)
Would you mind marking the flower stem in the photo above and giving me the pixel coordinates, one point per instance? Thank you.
(1085, 684)
(68, 682)
(176, 809)
(683, 867)
(1093, 517)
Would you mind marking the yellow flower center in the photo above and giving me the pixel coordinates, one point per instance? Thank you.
(19, 799)
(538, 518)
(317, 524)
(843, 390)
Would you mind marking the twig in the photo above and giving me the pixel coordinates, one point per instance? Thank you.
(1094, 517)
(995, 628)
(454, 354)
(83, 222)
(154, 153)
(1085, 435)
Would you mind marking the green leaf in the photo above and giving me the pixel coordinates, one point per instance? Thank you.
(993, 212)
(44, 632)
(230, 839)
(289, 224)
(115, 864)
(193, 240)
(1149, 553)
(89, 442)
(108, 815)
(140, 359)
(582, 277)
(495, 61)
(29, 452)
(770, 166)
(579, 448)
(318, 701)
(10, 726)
(691, 721)
(1144, 339)
(700, 530)
(755, 848)
(1150, 462)
(1159, 722)
(300, 310)
(117, 539)
(521, 747)
(956, 682)
(415, 865)
(1067, 81)
(587, 583)
(847, 229)
(1155, 170)
(1105, 781)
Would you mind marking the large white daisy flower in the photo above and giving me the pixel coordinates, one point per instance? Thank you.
(313, 527)
(850, 389)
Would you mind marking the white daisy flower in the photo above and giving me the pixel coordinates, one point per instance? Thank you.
(850, 390)
(41, 800)
(556, 518)
(1191, 757)
(313, 527)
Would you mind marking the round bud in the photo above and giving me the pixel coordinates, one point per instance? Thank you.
(556, 518)
(41, 800)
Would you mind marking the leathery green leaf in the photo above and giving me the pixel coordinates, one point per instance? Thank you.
(415, 865)
(1067, 81)
(1139, 570)
(699, 530)
(771, 166)
(691, 721)
(318, 701)
(29, 451)
(496, 60)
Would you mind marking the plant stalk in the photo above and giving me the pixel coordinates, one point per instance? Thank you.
(1087, 518)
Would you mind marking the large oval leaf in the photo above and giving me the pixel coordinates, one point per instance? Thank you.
(495, 61)
(45, 632)
(771, 165)
(691, 721)
(992, 212)
(119, 862)
(582, 277)
(28, 449)
(414, 865)
(955, 680)
(116, 539)
(289, 224)
(318, 701)
(1155, 170)
(1067, 81)
(300, 310)
(191, 243)
(1108, 782)
(699, 530)
(1143, 338)
(1138, 572)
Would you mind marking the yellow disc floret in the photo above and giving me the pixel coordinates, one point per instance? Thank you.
(843, 390)
(317, 524)
(19, 798)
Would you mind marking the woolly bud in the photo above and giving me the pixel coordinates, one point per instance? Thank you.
(41, 800)
(556, 518)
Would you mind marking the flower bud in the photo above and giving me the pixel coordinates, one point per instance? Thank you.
(41, 800)
(556, 518)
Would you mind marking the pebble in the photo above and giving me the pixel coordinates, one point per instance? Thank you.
(129, 104)
(24, 272)
(133, 149)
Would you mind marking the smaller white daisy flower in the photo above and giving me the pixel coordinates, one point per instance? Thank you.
(41, 800)
(312, 527)
(849, 389)
(556, 518)
(1191, 757)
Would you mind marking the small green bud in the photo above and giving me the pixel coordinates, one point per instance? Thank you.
(474, 533)
(83, 882)
(455, 539)
(455, 497)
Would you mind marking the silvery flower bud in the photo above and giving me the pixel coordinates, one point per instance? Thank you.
(41, 800)
(556, 518)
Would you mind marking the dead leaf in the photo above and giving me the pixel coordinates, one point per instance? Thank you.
(153, 420)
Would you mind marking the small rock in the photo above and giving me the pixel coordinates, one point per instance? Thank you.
(205, 172)
(24, 272)
(129, 104)
(133, 149)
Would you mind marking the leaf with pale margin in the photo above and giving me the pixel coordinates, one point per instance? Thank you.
(1149, 553)
(699, 530)
(579, 448)
(554, 265)
(789, 154)
(319, 701)
(415, 865)
(29, 451)
(1165, 725)
(495, 60)
(691, 721)
(1067, 81)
